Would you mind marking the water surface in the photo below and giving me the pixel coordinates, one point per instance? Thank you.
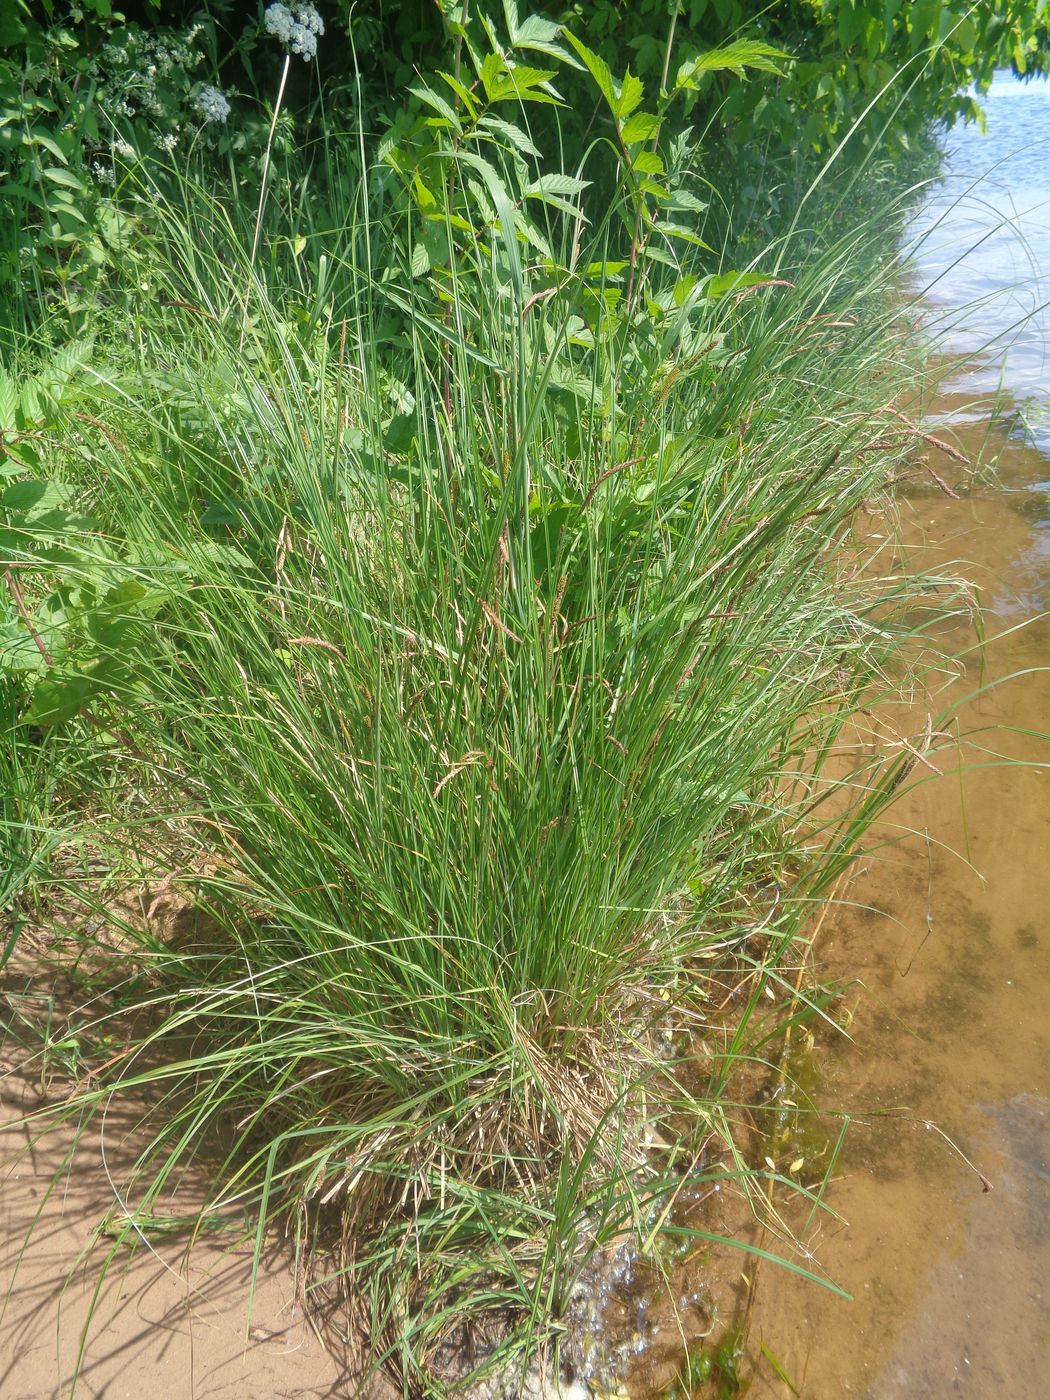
(948, 931)
(980, 249)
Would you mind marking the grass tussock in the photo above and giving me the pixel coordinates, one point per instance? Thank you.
(484, 657)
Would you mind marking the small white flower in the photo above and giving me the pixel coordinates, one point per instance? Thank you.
(103, 173)
(310, 19)
(298, 28)
(212, 104)
(278, 21)
(123, 148)
(167, 141)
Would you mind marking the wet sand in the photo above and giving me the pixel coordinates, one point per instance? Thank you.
(947, 936)
(165, 1323)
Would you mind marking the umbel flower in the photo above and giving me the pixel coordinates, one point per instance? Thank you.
(298, 28)
(211, 103)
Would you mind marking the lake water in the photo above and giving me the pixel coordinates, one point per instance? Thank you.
(980, 249)
(945, 934)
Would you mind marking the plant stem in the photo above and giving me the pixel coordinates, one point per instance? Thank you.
(668, 48)
(263, 184)
(15, 589)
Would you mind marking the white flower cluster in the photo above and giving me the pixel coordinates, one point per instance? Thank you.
(104, 174)
(298, 28)
(141, 73)
(212, 104)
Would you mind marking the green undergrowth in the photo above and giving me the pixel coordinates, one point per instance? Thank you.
(466, 627)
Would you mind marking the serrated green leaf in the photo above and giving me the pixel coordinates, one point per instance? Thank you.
(557, 183)
(642, 126)
(511, 133)
(598, 69)
(424, 197)
(686, 202)
(734, 57)
(651, 188)
(490, 72)
(647, 163)
(540, 35)
(462, 92)
(532, 235)
(443, 108)
(680, 231)
(521, 84)
(557, 202)
(654, 254)
(632, 91)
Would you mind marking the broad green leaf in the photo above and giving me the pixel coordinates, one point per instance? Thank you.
(734, 57)
(511, 133)
(556, 201)
(642, 126)
(425, 198)
(598, 69)
(600, 270)
(66, 178)
(19, 653)
(540, 35)
(536, 33)
(435, 100)
(31, 496)
(632, 91)
(557, 184)
(59, 698)
(681, 231)
(492, 69)
(41, 138)
(647, 163)
(686, 201)
(8, 401)
(655, 254)
(462, 92)
(522, 84)
(531, 234)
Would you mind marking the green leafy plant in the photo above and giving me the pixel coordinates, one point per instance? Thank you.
(466, 614)
(71, 614)
(499, 627)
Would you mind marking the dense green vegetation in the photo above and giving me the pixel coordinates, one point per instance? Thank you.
(427, 549)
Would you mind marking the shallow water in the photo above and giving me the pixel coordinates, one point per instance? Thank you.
(980, 249)
(946, 935)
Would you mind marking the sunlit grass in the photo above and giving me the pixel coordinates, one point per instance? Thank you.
(503, 653)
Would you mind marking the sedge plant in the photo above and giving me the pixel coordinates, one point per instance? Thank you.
(508, 615)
